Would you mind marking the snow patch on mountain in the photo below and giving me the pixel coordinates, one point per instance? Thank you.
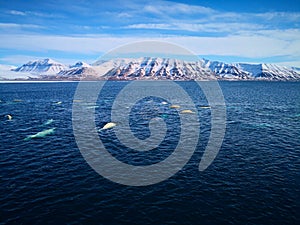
(251, 71)
(151, 68)
(78, 72)
(225, 71)
(41, 67)
(104, 66)
(80, 65)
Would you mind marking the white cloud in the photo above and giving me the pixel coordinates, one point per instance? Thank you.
(168, 16)
(167, 7)
(235, 34)
(18, 60)
(176, 12)
(17, 13)
(162, 26)
(256, 45)
(16, 25)
(200, 27)
(83, 44)
(286, 34)
(286, 16)
(267, 17)
(34, 13)
(46, 15)
(290, 64)
(124, 15)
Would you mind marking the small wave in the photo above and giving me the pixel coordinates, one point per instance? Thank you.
(48, 122)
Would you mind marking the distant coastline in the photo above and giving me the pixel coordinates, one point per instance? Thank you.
(148, 68)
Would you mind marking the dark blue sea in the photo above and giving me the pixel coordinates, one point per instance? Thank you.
(255, 179)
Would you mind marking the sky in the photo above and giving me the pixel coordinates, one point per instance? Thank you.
(84, 30)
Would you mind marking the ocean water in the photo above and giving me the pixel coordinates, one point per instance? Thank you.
(254, 179)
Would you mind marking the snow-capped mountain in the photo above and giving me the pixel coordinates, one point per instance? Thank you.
(269, 71)
(41, 67)
(150, 68)
(225, 71)
(251, 71)
(79, 72)
(174, 69)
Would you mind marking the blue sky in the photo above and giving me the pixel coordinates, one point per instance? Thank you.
(230, 31)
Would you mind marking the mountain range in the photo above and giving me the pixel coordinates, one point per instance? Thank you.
(149, 68)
